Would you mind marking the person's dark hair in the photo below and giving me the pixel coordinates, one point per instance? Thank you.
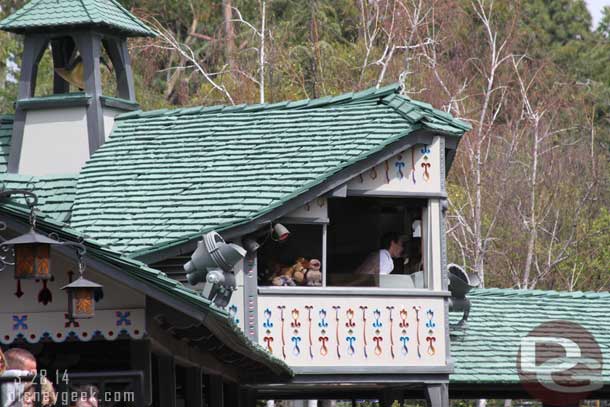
(387, 239)
(16, 358)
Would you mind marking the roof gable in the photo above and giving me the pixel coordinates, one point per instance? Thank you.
(166, 175)
(40, 15)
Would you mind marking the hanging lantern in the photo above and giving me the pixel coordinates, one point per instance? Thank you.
(32, 255)
(81, 298)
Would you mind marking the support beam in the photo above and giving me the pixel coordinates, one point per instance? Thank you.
(89, 45)
(119, 56)
(215, 391)
(140, 355)
(193, 388)
(437, 395)
(247, 397)
(166, 386)
(231, 394)
(389, 396)
(61, 50)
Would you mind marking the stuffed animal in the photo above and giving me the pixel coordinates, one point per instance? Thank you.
(299, 269)
(314, 275)
(282, 281)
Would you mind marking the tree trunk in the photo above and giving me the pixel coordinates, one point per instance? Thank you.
(229, 33)
(315, 39)
(533, 226)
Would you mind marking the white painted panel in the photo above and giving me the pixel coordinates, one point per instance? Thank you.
(55, 141)
(35, 326)
(109, 115)
(330, 331)
(417, 169)
(434, 227)
(316, 209)
(121, 308)
(116, 295)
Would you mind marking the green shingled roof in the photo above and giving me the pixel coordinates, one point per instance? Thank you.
(6, 131)
(165, 176)
(55, 192)
(486, 351)
(156, 279)
(47, 15)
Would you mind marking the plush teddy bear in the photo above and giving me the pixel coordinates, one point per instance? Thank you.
(299, 269)
(314, 274)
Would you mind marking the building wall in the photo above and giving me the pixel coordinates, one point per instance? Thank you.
(120, 311)
(54, 141)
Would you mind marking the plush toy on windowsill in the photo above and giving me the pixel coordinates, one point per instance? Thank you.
(314, 274)
(283, 277)
(299, 269)
(282, 281)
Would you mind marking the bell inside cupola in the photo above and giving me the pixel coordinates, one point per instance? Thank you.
(87, 40)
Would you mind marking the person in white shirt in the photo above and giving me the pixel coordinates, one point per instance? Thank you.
(381, 261)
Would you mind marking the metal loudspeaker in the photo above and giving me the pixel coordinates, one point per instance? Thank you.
(460, 283)
(212, 264)
(280, 232)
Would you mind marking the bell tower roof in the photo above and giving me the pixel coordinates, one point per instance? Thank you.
(51, 15)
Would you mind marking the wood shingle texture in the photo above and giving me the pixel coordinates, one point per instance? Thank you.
(48, 15)
(486, 350)
(170, 175)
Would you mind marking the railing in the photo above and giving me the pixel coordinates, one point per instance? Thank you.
(354, 329)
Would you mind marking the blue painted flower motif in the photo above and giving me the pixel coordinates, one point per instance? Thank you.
(296, 351)
(430, 315)
(350, 348)
(377, 315)
(404, 339)
(123, 318)
(20, 322)
(267, 323)
(323, 322)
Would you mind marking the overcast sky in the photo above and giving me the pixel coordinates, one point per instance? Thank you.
(595, 7)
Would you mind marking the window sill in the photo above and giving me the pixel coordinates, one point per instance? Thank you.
(364, 291)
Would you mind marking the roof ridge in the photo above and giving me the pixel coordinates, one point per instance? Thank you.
(300, 104)
(86, 10)
(406, 107)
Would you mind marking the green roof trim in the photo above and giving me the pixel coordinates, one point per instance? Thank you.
(486, 350)
(156, 279)
(48, 15)
(166, 176)
(55, 101)
(119, 103)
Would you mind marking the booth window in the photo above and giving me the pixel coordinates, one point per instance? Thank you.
(355, 233)
(290, 262)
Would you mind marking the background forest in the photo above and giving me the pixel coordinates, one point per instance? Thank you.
(529, 188)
